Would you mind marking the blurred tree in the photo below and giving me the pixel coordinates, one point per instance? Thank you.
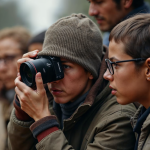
(75, 6)
(148, 1)
(9, 15)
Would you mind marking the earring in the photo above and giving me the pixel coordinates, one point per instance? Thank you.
(148, 78)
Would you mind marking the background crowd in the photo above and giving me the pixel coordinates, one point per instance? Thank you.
(18, 36)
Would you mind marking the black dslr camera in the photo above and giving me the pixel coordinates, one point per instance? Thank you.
(50, 68)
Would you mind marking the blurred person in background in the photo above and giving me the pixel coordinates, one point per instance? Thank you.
(108, 13)
(36, 42)
(3, 106)
(13, 44)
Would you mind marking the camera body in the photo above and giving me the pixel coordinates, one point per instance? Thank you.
(49, 66)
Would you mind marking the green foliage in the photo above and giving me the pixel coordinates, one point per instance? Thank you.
(148, 1)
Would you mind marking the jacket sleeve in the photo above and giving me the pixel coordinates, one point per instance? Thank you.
(19, 134)
(54, 141)
(21, 137)
(115, 133)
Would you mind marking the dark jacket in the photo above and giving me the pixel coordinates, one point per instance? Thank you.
(98, 123)
(144, 139)
(142, 9)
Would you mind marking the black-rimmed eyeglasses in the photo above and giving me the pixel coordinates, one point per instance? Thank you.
(110, 63)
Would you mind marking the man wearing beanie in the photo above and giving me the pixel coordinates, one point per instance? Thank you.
(84, 114)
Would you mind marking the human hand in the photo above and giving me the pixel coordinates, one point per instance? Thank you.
(26, 57)
(33, 102)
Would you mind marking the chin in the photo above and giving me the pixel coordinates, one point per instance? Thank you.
(60, 101)
(122, 102)
(105, 29)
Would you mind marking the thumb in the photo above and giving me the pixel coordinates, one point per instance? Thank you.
(39, 83)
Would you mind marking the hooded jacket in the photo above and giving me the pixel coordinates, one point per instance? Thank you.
(98, 123)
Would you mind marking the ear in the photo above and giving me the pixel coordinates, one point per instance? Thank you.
(91, 76)
(127, 3)
(147, 71)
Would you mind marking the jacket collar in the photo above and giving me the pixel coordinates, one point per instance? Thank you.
(142, 9)
(100, 82)
(145, 130)
(141, 119)
(135, 117)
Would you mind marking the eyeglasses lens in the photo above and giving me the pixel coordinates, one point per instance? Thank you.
(109, 67)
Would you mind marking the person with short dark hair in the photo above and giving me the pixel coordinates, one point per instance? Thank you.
(129, 71)
(108, 13)
(84, 114)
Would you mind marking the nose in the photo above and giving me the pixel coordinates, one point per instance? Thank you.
(93, 10)
(108, 76)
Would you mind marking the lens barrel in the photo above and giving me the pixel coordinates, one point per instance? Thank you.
(50, 68)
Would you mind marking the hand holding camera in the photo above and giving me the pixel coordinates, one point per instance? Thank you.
(33, 102)
(26, 57)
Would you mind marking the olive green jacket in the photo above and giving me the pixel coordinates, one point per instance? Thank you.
(105, 126)
(144, 139)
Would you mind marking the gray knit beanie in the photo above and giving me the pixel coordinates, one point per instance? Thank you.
(76, 38)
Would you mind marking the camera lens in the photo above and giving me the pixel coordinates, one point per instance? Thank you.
(28, 74)
(29, 69)
(49, 67)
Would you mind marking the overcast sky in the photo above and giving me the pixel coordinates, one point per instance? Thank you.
(40, 13)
